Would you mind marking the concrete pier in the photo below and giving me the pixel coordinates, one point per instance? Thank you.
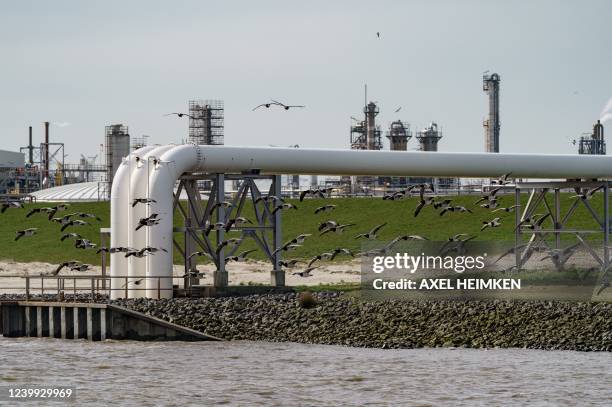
(94, 322)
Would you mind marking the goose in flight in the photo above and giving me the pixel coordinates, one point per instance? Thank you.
(330, 255)
(306, 272)
(372, 233)
(503, 180)
(488, 196)
(229, 243)
(238, 221)
(287, 248)
(69, 235)
(423, 203)
(287, 107)
(75, 222)
(84, 244)
(532, 222)
(239, 257)
(454, 209)
(145, 201)
(508, 209)
(269, 199)
(283, 206)
(290, 263)
(266, 105)
(325, 208)
(40, 210)
(311, 192)
(493, 223)
(337, 228)
(11, 204)
(199, 254)
(178, 114)
(588, 194)
(69, 264)
(25, 232)
(148, 221)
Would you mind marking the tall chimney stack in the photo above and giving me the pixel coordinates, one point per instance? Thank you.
(30, 147)
(46, 163)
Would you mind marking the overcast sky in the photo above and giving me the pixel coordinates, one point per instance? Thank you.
(91, 64)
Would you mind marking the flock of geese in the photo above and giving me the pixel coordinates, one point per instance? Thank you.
(455, 243)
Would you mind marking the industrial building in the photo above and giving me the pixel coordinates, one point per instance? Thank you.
(593, 143)
(206, 122)
(490, 85)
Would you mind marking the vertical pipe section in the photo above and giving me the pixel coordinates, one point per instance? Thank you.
(120, 204)
(137, 239)
(161, 185)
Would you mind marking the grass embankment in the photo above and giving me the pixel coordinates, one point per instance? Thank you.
(364, 212)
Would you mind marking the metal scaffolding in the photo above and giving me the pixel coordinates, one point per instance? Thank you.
(206, 122)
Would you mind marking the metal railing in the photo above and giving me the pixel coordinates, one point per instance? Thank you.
(95, 286)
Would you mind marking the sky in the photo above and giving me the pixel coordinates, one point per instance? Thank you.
(84, 65)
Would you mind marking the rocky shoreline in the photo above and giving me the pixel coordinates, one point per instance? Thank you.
(343, 320)
(335, 319)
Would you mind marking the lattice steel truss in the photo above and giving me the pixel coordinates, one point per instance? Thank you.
(537, 237)
(197, 215)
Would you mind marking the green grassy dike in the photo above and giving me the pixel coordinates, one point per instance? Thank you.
(364, 212)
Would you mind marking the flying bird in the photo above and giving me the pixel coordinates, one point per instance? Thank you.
(266, 105)
(454, 209)
(240, 220)
(76, 222)
(239, 257)
(25, 232)
(325, 208)
(588, 194)
(69, 264)
(495, 222)
(286, 107)
(199, 254)
(283, 206)
(229, 243)
(290, 263)
(372, 233)
(84, 244)
(12, 204)
(149, 221)
(508, 209)
(142, 201)
(69, 235)
(336, 228)
(40, 210)
(180, 115)
(306, 272)
(398, 109)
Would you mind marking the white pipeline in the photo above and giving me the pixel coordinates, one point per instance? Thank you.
(189, 158)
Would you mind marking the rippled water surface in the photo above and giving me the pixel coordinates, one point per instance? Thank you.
(247, 373)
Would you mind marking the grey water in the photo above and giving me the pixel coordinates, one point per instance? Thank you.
(261, 373)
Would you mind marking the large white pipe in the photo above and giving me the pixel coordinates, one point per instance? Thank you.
(188, 158)
(161, 186)
(403, 163)
(120, 200)
(139, 185)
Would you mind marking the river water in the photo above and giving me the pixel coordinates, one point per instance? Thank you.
(256, 373)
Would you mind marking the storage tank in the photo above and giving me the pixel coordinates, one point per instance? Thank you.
(429, 137)
(117, 146)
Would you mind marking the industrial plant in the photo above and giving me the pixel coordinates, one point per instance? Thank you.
(40, 167)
